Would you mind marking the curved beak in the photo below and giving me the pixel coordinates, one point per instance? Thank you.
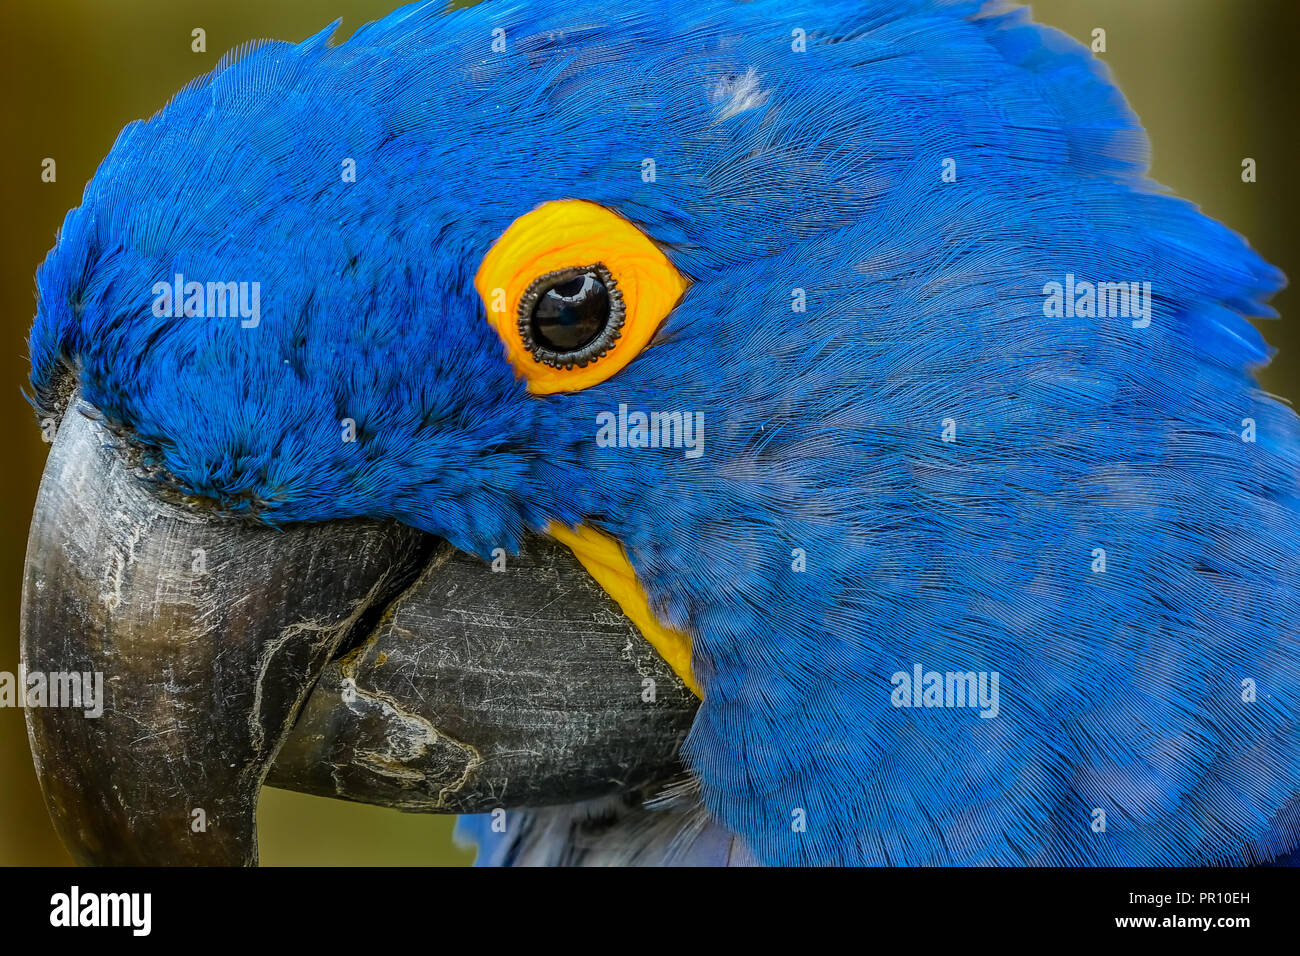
(170, 656)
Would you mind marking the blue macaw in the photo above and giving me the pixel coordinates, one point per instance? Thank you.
(848, 347)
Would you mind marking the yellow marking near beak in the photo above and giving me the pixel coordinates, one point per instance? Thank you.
(606, 561)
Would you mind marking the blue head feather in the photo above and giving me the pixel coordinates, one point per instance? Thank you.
(819, 170)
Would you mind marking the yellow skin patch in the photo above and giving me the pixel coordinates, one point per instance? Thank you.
(607, 562)
(566, 234)
(572, 233)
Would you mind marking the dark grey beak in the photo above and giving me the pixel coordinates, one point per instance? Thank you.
(362, 660)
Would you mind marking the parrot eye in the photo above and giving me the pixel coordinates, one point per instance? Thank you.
(571, 316)
(575, 292)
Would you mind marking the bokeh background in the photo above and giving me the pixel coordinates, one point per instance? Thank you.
(1213, 80)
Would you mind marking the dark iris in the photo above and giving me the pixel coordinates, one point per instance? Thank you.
(573, 317)
(571, 313)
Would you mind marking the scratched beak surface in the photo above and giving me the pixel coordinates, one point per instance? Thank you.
(377, 662)
(209, 634)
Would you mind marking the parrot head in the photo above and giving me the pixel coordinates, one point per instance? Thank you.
(749, 307)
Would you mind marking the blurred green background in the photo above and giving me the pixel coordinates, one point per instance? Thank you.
(1213, 80)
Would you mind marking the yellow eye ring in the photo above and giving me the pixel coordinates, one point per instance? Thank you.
(581, 242)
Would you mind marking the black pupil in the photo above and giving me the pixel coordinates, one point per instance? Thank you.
(571, 313)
